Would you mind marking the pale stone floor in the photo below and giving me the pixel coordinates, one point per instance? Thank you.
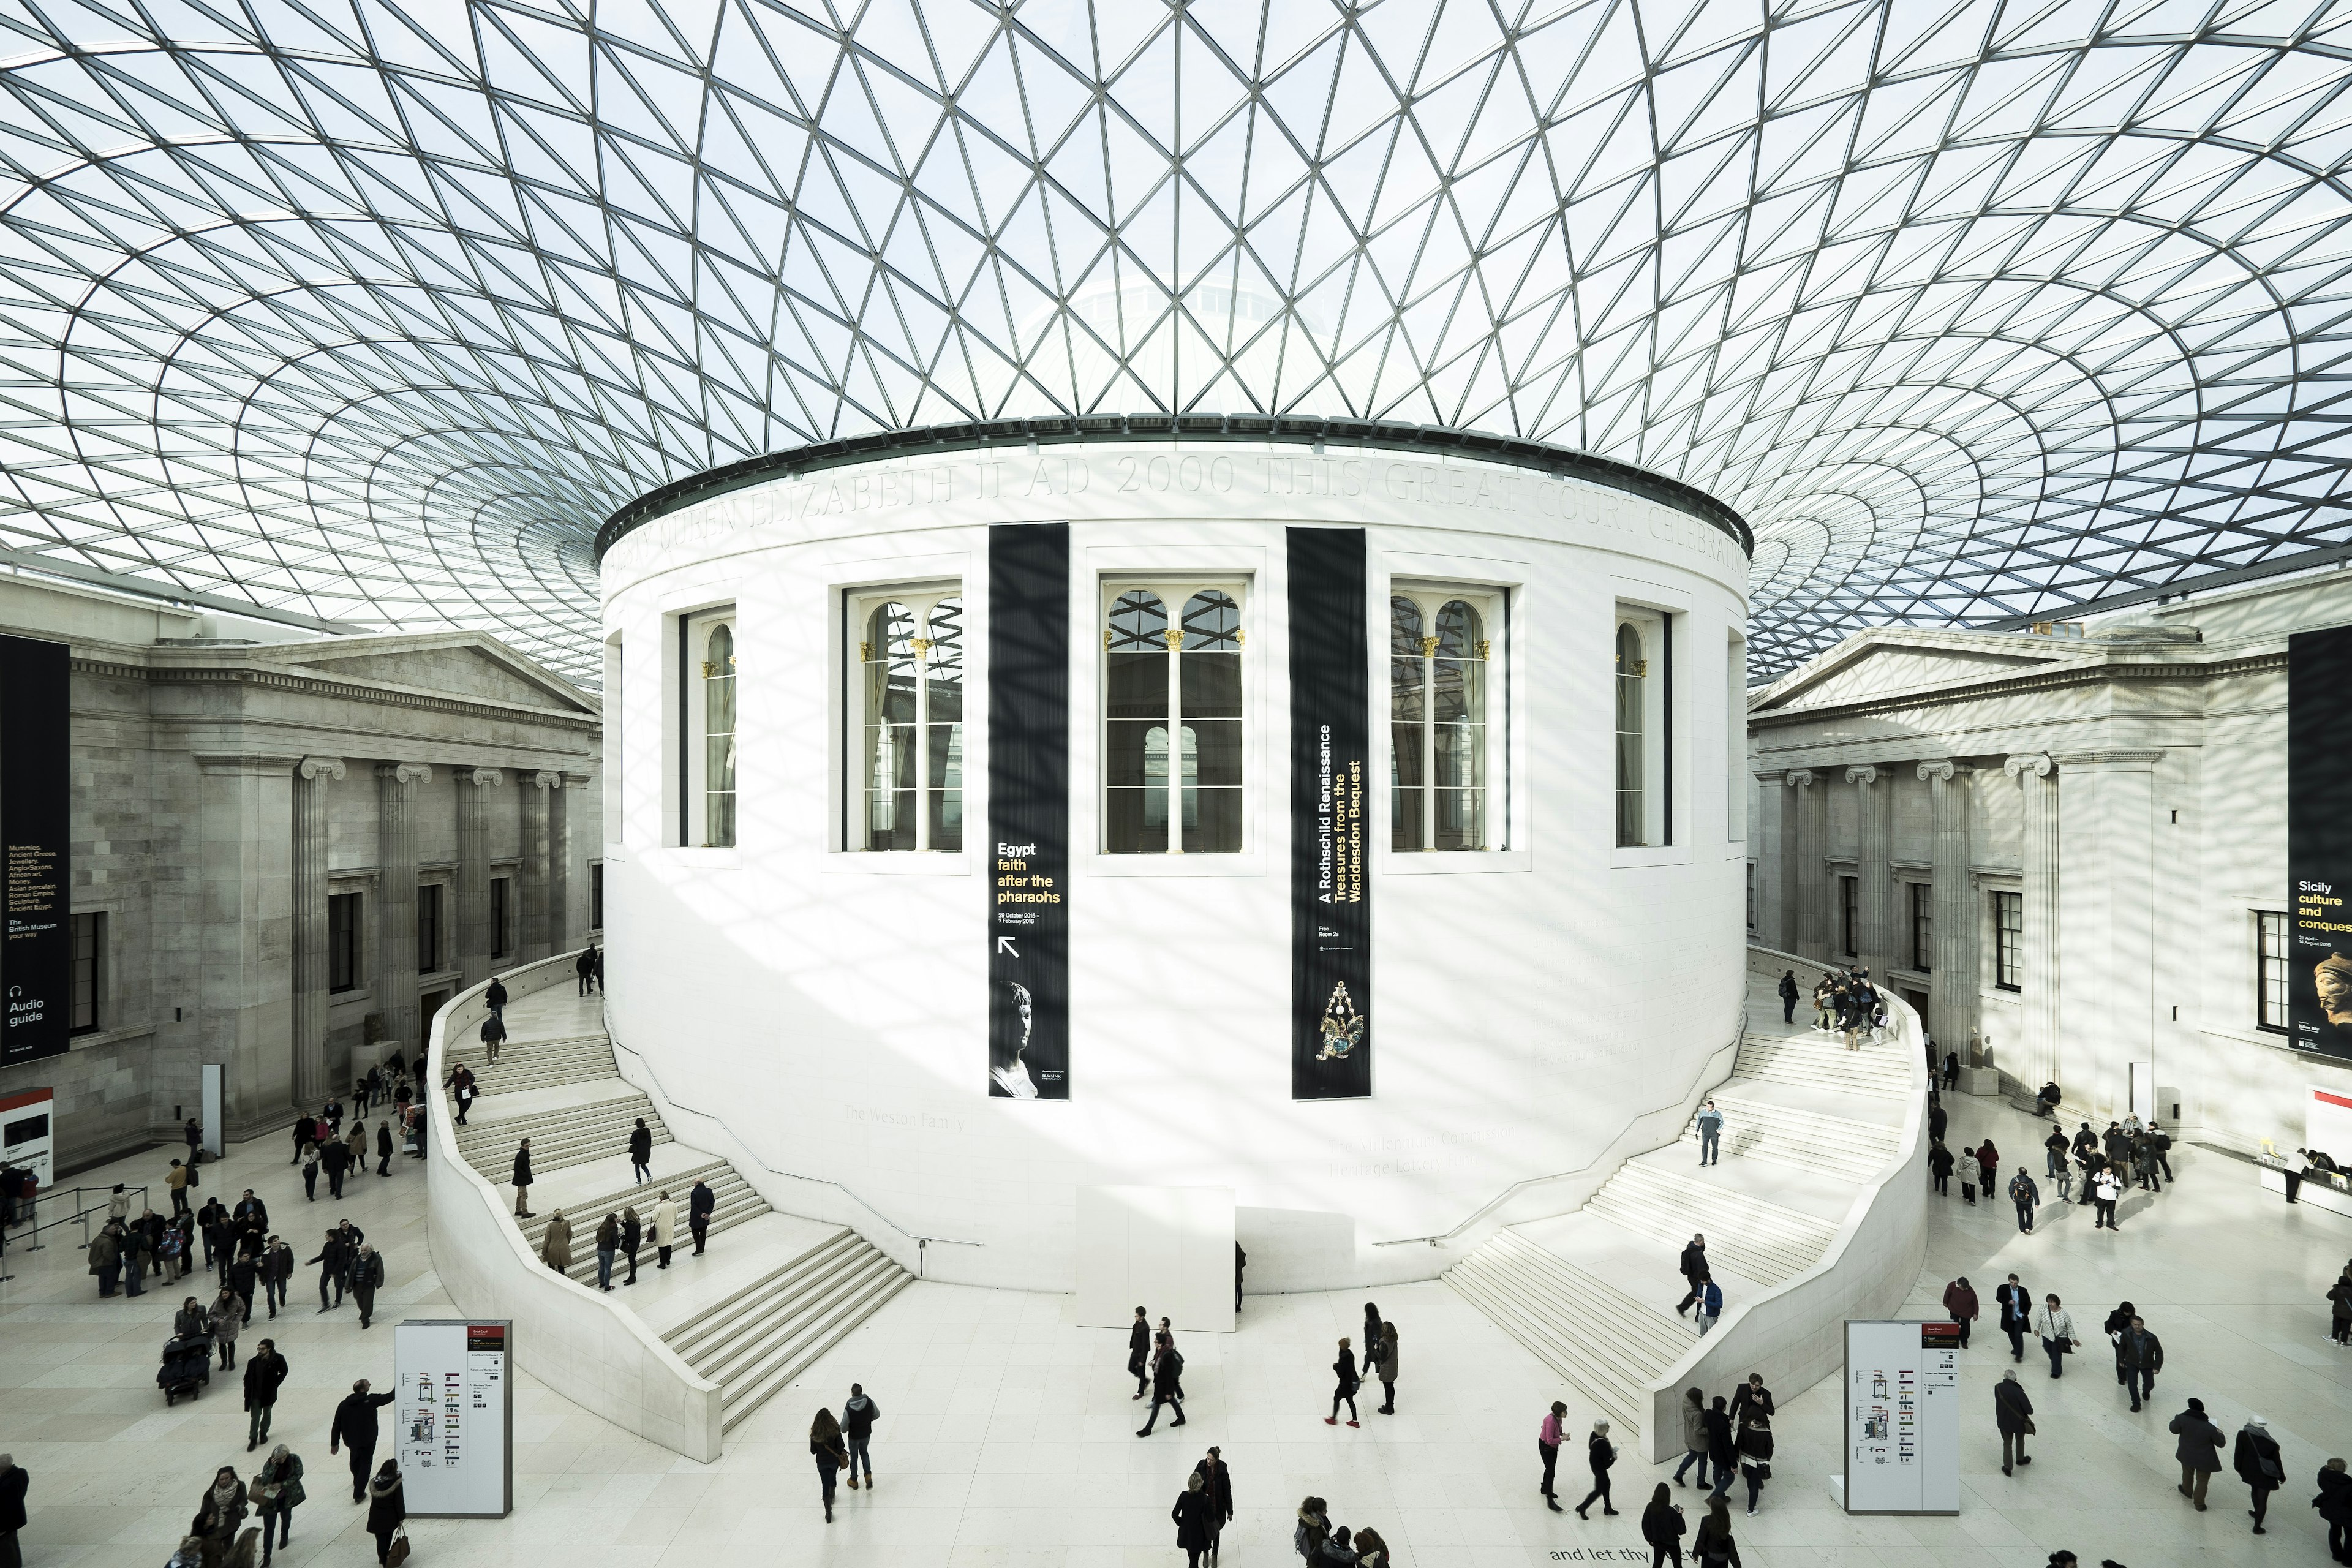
(1007, 1432)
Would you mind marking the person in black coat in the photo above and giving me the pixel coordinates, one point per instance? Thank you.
(1191, 1514)
(2333, 1503)
(2013, 1411)
(2016, 1315)
(701, 1204)
(1722, 1449)
(495, 998)
(1217, 1481)
(1138, 1353)
(367, 1278)
(1693, 1272)
(2256, 1460)
(384, 1147)
(493, 1035)
(355, 1428)
(1662, 1526)
(1789, 996)
(522, 1180)
(1756, 1454)
(265, 1370)
(14, 1480)
(585, 968)
(2140, 1356)
(1167, 1382)
(641, 1150)
(1600, 1453)
(1343, 1387)
(333, 1263)
(631, 1234)
(336, 1156)
(386, 1507)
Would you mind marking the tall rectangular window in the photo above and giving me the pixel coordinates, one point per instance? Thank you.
(1751, 895)
(499, 924)
(706, 751)
(1736, 781)
(1171, 718)
(343, 942)
(428, 929)
(2270, 971)
(1642, 683)
(1923, 927)
(597, 896)
(1443, 677)
(906, 772)
(2008, 940)
(89, 972)
(1849, 913)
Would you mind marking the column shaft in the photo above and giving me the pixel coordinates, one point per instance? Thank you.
(310, 900)
(1874, 872)
(474, 934)
(2036, 1059)
(1807, 865)
(2107, 925)
(1954, 982)
(244, 1000)
(1765, 842)
(536, 932)
(395, 918)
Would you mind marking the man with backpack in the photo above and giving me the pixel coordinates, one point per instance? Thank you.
(1167, 1383)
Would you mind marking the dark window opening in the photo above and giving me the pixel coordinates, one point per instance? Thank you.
(2009, 940)
(428, 930)
(88, 970)
(343, 942)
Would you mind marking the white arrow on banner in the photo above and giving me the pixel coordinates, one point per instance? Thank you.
(1004, 944)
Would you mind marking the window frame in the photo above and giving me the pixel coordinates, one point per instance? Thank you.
(695, 670)
(1849, 892)
(429, 927)
(1492, 607)
(1923, 927)
(2008, 940)
(922, 596)
(87, 927)
(346, 943)
(2265, 922)
(1654, 626)
(501, 903)
(1177, 586)
(595, 895)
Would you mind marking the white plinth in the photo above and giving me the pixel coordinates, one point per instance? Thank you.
(1980, 1080)
(1169, 1250)
(2318, 1195)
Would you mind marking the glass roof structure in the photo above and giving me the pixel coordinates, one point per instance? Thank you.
(1974, 310)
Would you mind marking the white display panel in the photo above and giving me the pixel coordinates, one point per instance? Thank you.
(2327, 1122)
(1169, 1250)
(216, 1080)
(1901, 1417)
(28, 1132)
(454, 1416)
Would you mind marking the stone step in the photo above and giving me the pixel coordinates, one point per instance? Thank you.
(737, 1204)
(872, 1281)
(711, 1170)
(1759, 1241)
(1605, 1342)
(1788, 1135)
(592, 1132)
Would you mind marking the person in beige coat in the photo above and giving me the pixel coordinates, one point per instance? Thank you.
(357, 1145)
(664, 1227)
(555, 1248)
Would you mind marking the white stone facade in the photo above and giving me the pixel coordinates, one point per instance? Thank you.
(228, 778)
(2127, 787)
(828, 1003)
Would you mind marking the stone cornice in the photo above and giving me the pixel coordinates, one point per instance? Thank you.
(321, 686)
(2103, 757)
(234, 763)
(2186, 673)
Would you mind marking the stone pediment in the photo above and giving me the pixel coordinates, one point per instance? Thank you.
(463, 666)
(1894, 664)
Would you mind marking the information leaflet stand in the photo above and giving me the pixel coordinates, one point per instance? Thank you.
(454, 1416)
(1901, 1417)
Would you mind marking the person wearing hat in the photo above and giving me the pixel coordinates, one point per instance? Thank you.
(2256, 1460)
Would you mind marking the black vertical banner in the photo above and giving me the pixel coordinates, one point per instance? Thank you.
(36, 827)
(2319, 840)
(1330, 778)
(1028, 811)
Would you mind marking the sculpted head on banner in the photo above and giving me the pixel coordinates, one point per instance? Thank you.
(2333, 978)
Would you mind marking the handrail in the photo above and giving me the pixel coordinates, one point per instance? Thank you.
(1500, 1198)
(921, 1241)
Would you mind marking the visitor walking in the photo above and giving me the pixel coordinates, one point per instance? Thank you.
(2199, 1450)
(1138, 1353)
(1190, 1517)
(336, 1156)
(2333, 1503)
(2012, 1413)
(1960, 1306)
(1217, 1480)
(1167, 1380)
(1939, 1165)
(701, 1202)
(13, 1481)
(584, 967)
(2107, 1191)
(1989, 1162)
(461, 1083)
(331, 1263)
(1694, 1269)
(1600, 1454)
(493, 1035)
(1712, 1546)
(1663, 1528)
(522, 1180)
(2027, 1198)
(2256, 1460)
(608, 1242)
(227, 1316)
(1694, 1418)
(1384, 1362)
(1344, 1370)
(367, 1278)
(387, 1509)
(2340, 1308)
(1971, 1171)
(2016, 1315)
(2055, 1325)
(495, 996)
(824, 1445)
(311, 1174)
(1710, 1135)
(1547, 1441)
(354, 1428)
(641, 1151)
(1711, 1304)
(277, 1492)
(264, 1371)
(1788, 994)
(1722, 1445)
(555, 1242)
(277, 1273)
(384, 1146)
(1756, 1456)
(857, 1418)
(664, 1229)
(2140, 1356)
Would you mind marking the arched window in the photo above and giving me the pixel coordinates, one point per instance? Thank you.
(1633, 699)
(1438, 733)
(718, 736)
(910, 658)
(1182, 681)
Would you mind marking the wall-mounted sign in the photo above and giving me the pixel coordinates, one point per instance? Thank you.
(2319, 842)
(1330, 817)
(28, 1132)
(454, 1416)
(1901, 1417)
(1028, 928)
(36, 841)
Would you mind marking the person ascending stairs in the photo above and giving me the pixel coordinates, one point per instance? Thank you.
(522, 1181)
(701, 1204)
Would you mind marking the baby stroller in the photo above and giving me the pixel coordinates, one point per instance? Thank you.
(187, 1365)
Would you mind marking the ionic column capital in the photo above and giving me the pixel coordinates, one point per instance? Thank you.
(314, 767)
(480, 776)
(404, 773)
(1943, 768)
(1802, 778)
(542, 780)
(1867, 773)
(2038, 763)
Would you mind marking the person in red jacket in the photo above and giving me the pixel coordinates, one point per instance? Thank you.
(1960, 1302)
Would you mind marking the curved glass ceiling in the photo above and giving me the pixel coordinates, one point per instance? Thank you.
(373, 313)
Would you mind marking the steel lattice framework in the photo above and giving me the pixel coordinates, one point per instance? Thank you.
(1973, 309)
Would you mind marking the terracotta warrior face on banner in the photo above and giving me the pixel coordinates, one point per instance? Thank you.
(2334, 980)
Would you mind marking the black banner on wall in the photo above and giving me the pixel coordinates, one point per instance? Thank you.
(1330, 776)
(2319, 841)
(1029, 811)
(36, 828)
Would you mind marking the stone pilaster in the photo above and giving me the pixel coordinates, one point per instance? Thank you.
(395, 982)
(1957, 980)
(2107, 925)
(1808, 852)
(538, 811)
(310, 898)
(1874, 871)
(245, 907)
(2034, 1060)
(1765, 844)
(474, 933)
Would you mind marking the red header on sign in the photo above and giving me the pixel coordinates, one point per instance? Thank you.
(30, 1097)
(2318, 1094)
(486, 1336)
(1940, 1336)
